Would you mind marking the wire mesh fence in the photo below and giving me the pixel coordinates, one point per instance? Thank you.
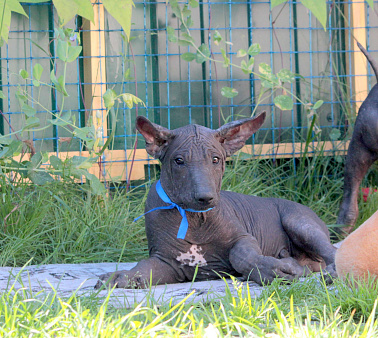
(327, 64)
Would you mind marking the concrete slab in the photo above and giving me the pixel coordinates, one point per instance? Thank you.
(66, 279)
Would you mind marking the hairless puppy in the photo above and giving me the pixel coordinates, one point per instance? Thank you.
(191, 224)
(362, 153)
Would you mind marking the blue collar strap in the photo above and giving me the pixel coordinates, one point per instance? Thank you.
(184, 222)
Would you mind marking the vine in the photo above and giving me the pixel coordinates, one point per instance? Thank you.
(72, 168)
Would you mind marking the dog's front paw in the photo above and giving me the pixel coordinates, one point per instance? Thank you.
(118, 279)
(269, 268)
(330, 273)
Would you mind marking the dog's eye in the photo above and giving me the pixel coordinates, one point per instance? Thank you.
(216, 160)
(179, 160)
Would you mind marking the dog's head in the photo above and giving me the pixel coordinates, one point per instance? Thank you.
(193, 157)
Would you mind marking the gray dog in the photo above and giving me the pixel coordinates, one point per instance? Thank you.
(362, 153)
(191, 223)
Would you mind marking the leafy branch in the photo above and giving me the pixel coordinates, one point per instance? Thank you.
(316, 7)
(73, 168)
(120, 10)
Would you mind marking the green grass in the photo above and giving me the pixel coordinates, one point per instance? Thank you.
(302, 309)
(62, 223)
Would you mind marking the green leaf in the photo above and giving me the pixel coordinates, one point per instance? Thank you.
(371, 3)
(335, 134)
(29, 111)
(318, 104)
(193, 3)
(2, 96)
(244, 67)
(56, 162)
(274, 3)
(186, 40)
(67, 9)
(226, 60)
(73, 53)
(88, 163)
(137, 100)
(82, 162)
(62, 120)
(265, 69)
(58, 83)
(31, 122)
(286, 75)
(6, 9)
(109, 98)
(62, 85)
(284, 102)
(15, 6)
(186, 12)
(84, 133)
(62, 50)
(319, 9)
(171, 34)
(59, 33)
(36, 160)
(127, 98)
(97, 186)
(36, 1)
(37, 71)
(21, 97)
(127, 75)
(269, 81)
(130, 99)
(45, 156)
(241, 53)
(247, 67)
(170, 30)
(120, 10)
(14, 147)
(203, 53)
(40, 177)
(24, 74)
(254, 49)
(175, 8)
(188, 56)
(5, 140)
(55, 82)
(229, 92)
(85, 9)
(77, 161)
(251, 62)
(189, 22)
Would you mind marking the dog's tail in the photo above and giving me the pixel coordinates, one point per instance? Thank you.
(372, 62)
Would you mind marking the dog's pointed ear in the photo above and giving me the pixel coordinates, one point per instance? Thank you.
(157, 137)
(233, 135)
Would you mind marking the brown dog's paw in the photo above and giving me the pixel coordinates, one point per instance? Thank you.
(116, 279)
(120, 279)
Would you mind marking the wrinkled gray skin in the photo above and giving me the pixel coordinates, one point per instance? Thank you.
(252, 237)
(362, 153)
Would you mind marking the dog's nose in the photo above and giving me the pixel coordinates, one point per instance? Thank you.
(204, 197)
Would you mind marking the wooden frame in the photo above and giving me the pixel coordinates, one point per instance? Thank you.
(117, 171)
(357, 12)
(95, 70)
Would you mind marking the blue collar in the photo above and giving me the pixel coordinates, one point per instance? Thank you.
(184, 222)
